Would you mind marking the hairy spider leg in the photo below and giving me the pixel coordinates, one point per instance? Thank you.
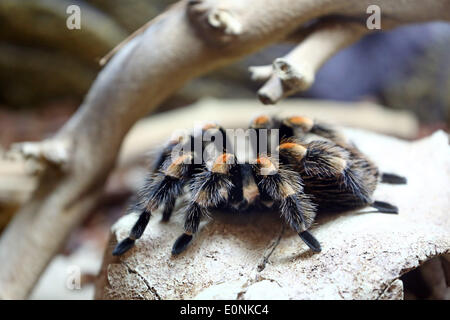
(337, 180)
(188, 144)
(162, 159)
(166, 186)
(166, 151)
(320, 164)
(302, 126)
(259, 124)
(285, 187)
(209, 189)
(211, 130)
(332, 158)
(392, 178)
(307, 125)
(384, 207)
(244, 189)
(329, 174)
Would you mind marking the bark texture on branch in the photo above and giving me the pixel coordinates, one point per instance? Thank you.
(192, 38)
(296, 71)
(363, 256)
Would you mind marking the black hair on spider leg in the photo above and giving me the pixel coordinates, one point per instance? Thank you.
(135, 233)
(123, 246)
(310, 240)
(168, 209)
(181, 243)
(392, 178)
(384, 207)
(139, 227)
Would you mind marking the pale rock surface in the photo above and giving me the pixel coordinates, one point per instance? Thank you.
(363, 255)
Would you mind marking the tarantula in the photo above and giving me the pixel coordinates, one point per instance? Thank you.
(317, 170)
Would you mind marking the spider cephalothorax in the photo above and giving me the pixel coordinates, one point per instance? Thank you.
(312, 169)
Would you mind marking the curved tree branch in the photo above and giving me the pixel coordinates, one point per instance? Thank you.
(296, 71)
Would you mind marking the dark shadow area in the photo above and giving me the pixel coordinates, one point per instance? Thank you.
(428, 282)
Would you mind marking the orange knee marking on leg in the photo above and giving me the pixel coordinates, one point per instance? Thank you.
(176, 140)
(263, 161)
(267, 165)
(181, 159)
(224, 158)
(288, 145)
(303, 122)
(221, 163)
(299, 120)
(261, 120)
(209, 126)
(174, 169)
(293, 149)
